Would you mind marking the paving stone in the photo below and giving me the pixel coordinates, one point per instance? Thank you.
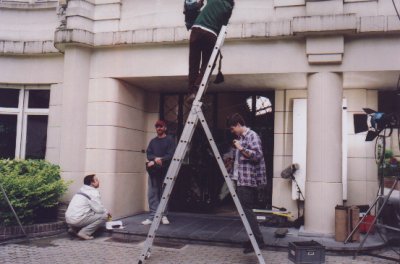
(63, 250)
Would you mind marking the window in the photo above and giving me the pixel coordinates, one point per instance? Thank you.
(23, 123)
(261, 104)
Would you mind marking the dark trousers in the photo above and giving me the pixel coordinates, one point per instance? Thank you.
(247, 196)
(202, 43)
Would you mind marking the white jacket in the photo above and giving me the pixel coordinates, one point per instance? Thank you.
(80, 206)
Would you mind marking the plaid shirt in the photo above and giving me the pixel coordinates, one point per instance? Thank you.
(251, 171)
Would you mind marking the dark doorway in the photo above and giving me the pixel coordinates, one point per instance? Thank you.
(200, 185)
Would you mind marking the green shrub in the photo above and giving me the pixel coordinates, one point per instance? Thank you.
(31, 186)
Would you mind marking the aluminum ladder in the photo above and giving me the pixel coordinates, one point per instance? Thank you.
(196, 115)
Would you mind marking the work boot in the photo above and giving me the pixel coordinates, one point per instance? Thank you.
(248, 247)
(192, 94)
(190, 98)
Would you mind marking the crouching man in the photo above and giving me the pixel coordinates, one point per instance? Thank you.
(85, 213)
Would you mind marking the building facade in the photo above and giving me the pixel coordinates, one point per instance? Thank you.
(95, 75)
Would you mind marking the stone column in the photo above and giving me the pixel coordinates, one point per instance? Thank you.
(117, 117)
(74, 115)
(324, 152)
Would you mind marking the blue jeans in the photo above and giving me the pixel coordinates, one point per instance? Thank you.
(155, 188)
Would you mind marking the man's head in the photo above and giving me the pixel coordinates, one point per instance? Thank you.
(161, 128)
(236, 124)
(91, 180)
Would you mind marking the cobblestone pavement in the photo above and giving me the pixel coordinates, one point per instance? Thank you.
(64, 250)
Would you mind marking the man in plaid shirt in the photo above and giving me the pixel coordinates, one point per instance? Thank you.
(248, 171)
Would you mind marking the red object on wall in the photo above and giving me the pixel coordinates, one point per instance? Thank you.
(364, 226)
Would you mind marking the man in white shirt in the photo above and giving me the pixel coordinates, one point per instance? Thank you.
(85, 212)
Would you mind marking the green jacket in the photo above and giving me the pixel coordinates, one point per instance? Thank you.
(214, 15)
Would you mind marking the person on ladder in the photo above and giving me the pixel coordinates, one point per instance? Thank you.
(205, 25)
(159, 155)
(248, 172)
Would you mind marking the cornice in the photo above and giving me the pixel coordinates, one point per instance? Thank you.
(9, 47)
(308, 26)
(29, 6)
(303, 27)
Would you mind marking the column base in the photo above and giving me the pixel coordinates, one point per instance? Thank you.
(305, 233)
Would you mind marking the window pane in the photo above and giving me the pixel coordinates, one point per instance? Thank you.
(36, 136)
(262, 105)
(8, 136)
(9, 98)
(39, 99)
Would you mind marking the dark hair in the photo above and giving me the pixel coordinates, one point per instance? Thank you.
(88, 179)
(232, 2)
(236, 119)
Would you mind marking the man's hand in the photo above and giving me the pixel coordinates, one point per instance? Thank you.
(150, 164)
(158, 161)
(237, 145)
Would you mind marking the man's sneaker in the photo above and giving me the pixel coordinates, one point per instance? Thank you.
(147, 222)
(164, 220)
(84, 236)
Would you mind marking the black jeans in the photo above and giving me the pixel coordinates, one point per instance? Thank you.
(247, 196)
(202, 43)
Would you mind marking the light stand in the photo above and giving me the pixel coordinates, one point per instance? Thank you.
(12, 209)
(380, 202)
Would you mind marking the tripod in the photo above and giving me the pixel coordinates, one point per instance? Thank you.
(12, 209)
(299, 193)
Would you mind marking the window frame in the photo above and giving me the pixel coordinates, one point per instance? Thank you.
(22, 112)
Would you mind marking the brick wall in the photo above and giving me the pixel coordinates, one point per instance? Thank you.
(37, 230)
